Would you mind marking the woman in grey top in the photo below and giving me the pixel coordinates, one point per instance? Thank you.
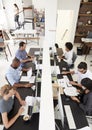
(6, 104)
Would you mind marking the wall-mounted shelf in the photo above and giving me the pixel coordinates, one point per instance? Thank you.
(84, 22)
(80, 35)
(86, 3)
(86, 15)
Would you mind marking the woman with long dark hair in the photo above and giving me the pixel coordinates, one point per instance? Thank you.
(16, 16)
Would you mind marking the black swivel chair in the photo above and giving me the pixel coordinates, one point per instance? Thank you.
(73, 59)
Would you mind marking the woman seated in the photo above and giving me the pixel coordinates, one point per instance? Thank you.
(7, 94)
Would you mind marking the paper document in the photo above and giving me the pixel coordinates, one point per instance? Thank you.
(62, 83)
(32, 79)
(39, 66)
(25, 112)
(36, 52)
(33, 87)
(71, 91)
(29, 73)
(36, 107)
(55, 69)
(24, 79)
(30, 100)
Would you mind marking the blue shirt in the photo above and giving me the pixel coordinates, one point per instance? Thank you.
(6, 106)
(21, 55)
(13, 75)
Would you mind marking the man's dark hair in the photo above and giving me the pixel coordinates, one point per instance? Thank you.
(86, 82)
(16, 5)
(82, 65)
(56, 45)
(16, 60)
(69, 45)
(21, 44)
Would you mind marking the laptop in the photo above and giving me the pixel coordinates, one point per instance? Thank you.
(59, 51)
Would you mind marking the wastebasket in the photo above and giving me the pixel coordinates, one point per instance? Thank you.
(79, 50)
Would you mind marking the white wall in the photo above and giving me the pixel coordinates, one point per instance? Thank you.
(3, 22)
(72, 6)
(27, 3)
(39, 4)
(9, 11)
(1, 6)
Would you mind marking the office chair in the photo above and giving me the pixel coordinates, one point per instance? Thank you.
(28, 13)
(87, 44)
(73, 59)
(4, 41)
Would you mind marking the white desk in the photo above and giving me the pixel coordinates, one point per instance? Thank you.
(87, 40)
(23, 34)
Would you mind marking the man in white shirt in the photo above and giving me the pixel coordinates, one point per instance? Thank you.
(69, 53)
(82, 73)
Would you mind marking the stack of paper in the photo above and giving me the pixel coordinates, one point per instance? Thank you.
(30, 100)
(62, 83)
(24, 79)
(25, 112)
(32, 79)
(71, 91)
(67, 81)
(29, 73)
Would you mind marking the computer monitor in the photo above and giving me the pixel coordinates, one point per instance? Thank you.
(59, 51)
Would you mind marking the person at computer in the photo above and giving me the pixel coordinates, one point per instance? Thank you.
(86, 102)
(13, 74)
(25, 59)
(6, 105)
(69, 53)
(82, 72)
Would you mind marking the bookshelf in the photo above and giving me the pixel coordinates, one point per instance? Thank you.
(84, 22)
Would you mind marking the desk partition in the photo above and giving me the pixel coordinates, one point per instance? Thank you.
(46, 121)
(73, 116)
